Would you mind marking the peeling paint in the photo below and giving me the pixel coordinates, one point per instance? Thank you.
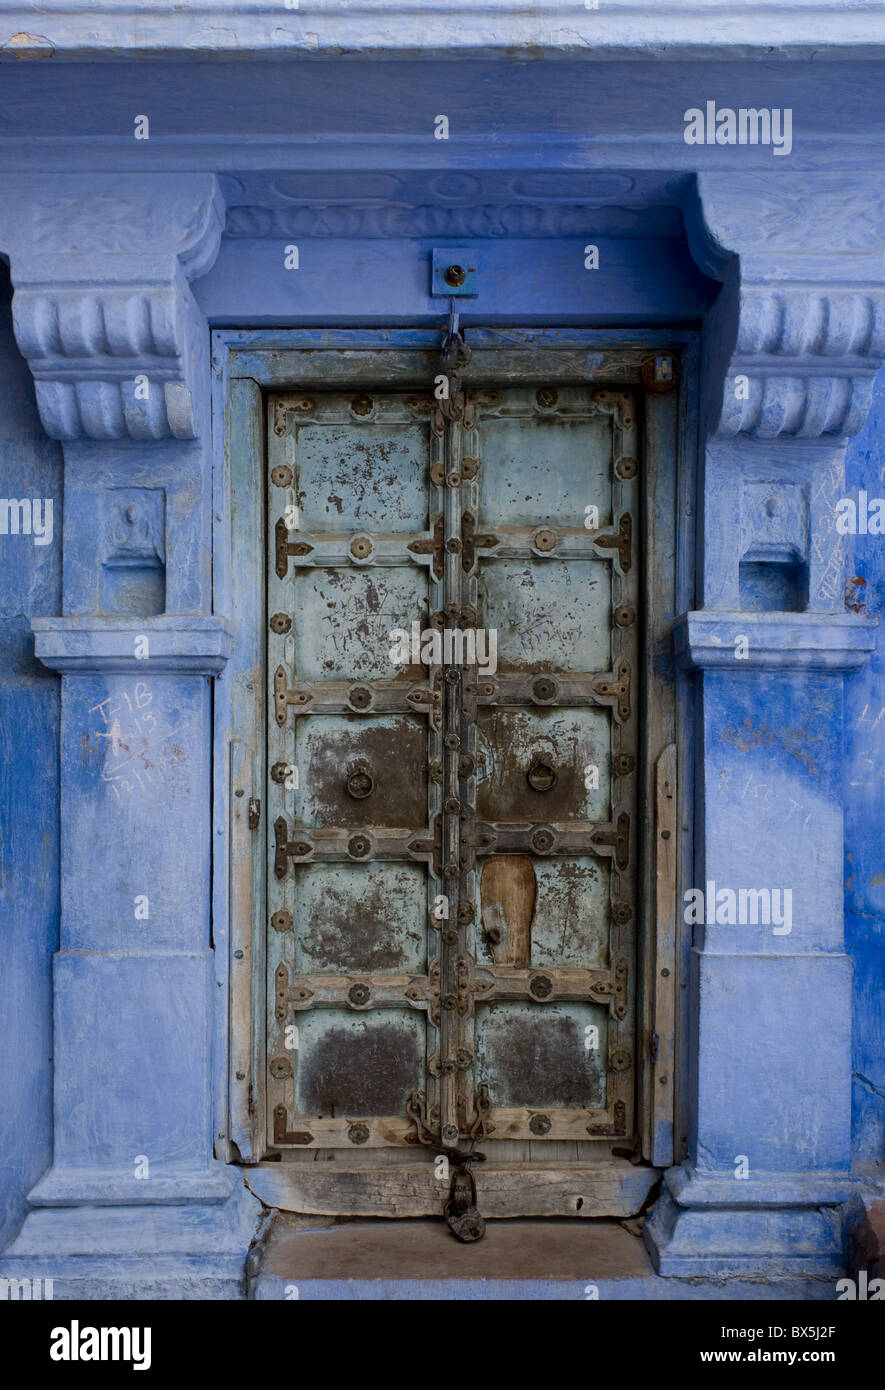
(27, 46)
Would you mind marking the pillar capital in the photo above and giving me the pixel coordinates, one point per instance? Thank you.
(803, 300)
(102, 309)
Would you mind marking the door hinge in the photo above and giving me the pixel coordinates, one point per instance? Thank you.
(284, 548)
(621, 541)
(254, 812)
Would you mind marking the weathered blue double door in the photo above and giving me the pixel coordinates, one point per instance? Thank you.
(452, 665)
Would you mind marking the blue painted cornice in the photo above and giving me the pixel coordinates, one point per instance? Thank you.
(610, 28)
(708, 639)
(102, 309)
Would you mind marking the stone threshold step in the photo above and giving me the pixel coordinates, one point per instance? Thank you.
(304, 1257)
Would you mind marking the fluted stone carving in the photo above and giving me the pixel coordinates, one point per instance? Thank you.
(805, 362)
(109, 363)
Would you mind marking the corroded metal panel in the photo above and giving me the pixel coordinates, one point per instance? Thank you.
(342, 619)
(357, 1067)
(357, 472)
(544, 466)
(532, 764)
(551, 617)
(572, 918)
(345, 760)
(363, 919)
(535, 1056)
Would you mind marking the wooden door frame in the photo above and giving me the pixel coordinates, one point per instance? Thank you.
(246, 365)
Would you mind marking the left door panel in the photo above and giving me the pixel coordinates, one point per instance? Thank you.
(353, 737)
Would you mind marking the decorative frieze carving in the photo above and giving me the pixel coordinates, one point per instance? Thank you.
(771, 404)
(800, 322)
(110, 363)
(378, 220)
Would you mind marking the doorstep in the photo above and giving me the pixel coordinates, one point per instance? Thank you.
(307, 1257)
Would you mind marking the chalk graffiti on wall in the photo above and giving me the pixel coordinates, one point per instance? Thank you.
(141, 751)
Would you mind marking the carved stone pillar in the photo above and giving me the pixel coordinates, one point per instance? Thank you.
(792, 346)
(105, 316)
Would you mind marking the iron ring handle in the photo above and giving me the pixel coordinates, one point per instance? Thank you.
(542, 775)
(360, 783)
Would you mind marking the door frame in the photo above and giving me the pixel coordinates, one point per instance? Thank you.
(246, 364)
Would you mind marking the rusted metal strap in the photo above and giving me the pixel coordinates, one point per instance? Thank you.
(350, 697)
(621, 541)
(284, 548)
(360, 846)
(573, 837)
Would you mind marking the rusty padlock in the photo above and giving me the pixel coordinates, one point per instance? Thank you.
(461, 1212)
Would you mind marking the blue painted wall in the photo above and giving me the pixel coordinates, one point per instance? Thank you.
(30, 584)
(374, 279)
(865, 806)
(30, 466)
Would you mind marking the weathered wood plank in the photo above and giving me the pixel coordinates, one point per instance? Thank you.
(663, 1052)
(518, 1190)
(402, 367)
(508, 885)
(665, 525)
(240, 777)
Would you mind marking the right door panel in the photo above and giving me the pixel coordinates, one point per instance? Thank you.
(548, 819)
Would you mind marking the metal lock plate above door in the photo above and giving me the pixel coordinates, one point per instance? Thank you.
(454, 271)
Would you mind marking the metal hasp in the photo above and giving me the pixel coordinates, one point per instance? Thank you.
(454, 271)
